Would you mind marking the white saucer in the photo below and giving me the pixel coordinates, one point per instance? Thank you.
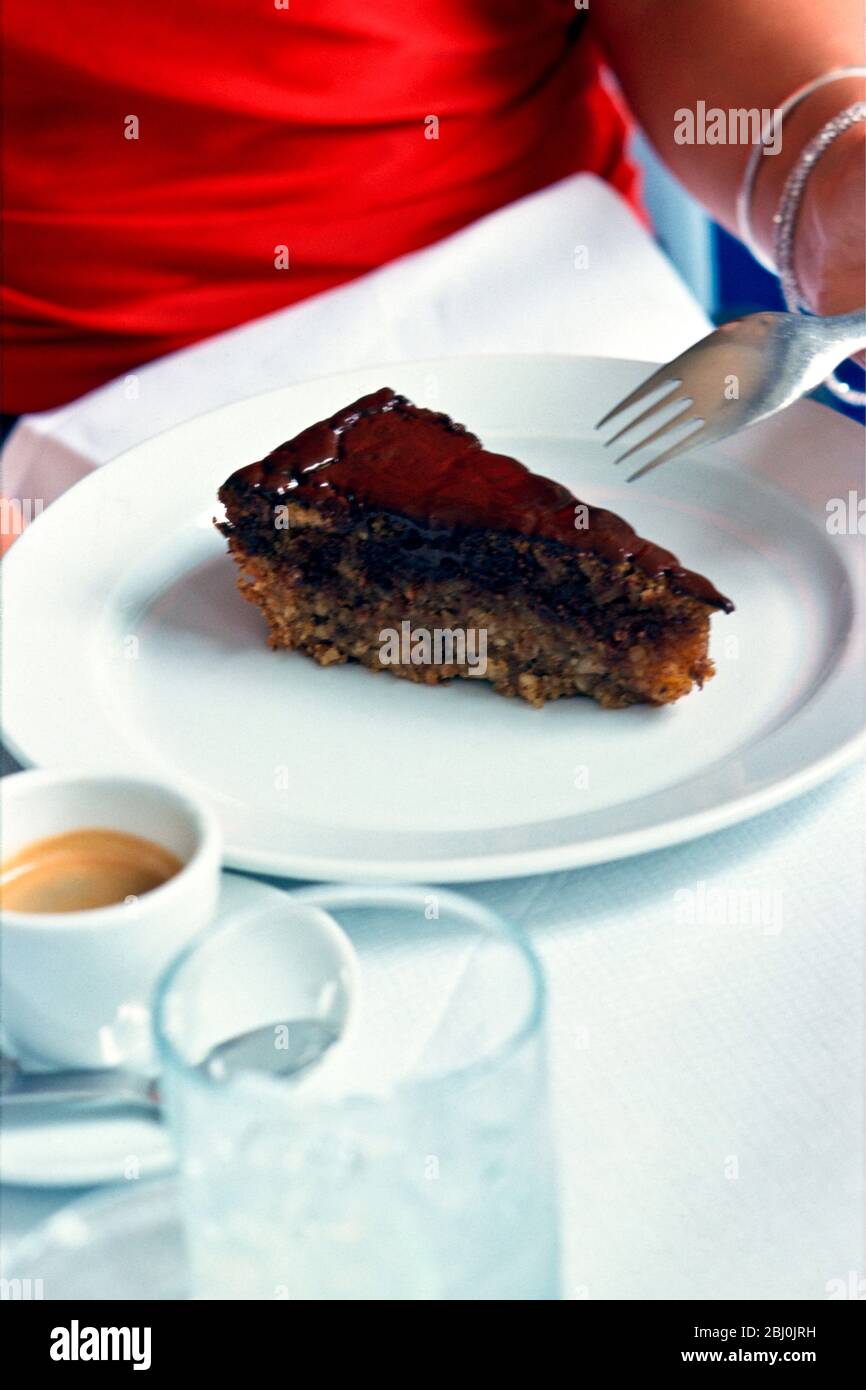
(127, 646)
(128, 1240)
(43, 1150)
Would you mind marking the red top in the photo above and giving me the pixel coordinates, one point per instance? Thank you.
(266, 130)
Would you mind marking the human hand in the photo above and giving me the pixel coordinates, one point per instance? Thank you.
(830, 238)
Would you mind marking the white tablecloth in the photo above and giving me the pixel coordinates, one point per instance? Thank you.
(707, 1079)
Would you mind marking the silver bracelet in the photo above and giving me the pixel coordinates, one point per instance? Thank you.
(785, 222)
(769, 131)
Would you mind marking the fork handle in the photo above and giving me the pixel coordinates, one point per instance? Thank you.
(845, 331)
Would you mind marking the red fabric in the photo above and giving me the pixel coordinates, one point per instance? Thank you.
(259, 127)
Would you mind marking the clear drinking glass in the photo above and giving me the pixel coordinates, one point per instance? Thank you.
(421, 1168)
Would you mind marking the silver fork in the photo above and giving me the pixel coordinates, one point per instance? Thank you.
(743, 372)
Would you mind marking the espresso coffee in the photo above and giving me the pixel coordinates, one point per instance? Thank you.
(83, 869)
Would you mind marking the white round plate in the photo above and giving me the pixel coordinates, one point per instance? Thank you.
(128, 647)
(43, 1149)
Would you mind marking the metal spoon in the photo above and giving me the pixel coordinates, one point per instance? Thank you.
(306, 1040)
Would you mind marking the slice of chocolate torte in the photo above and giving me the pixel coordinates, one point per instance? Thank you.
(387, 535)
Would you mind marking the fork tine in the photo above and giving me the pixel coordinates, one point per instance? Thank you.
(646, 414)
(652, 383)
(679, 448)
(679, 419)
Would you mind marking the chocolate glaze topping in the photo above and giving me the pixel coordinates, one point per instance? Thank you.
(395, 457)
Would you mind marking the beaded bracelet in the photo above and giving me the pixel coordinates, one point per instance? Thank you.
(770, 130)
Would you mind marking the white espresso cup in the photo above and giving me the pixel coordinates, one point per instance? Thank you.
(75, 987)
